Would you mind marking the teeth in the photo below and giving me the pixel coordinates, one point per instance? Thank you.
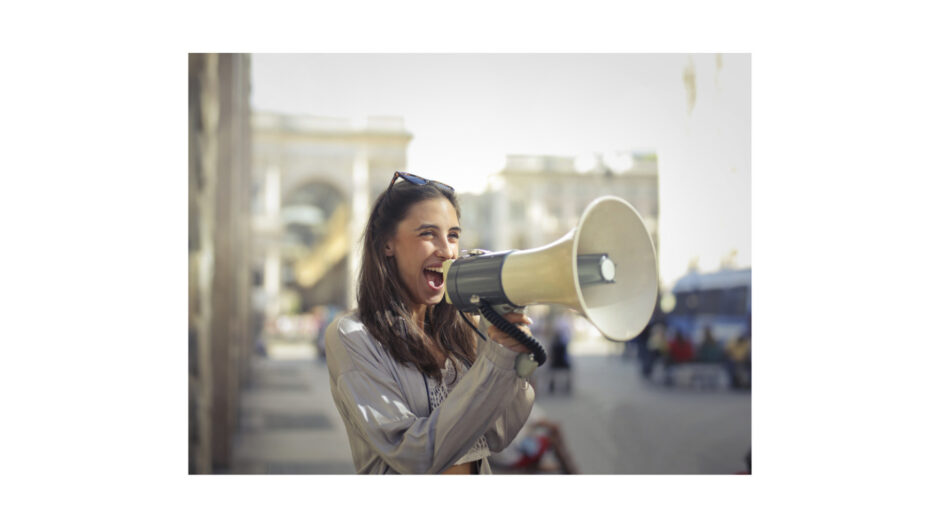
(438, 269)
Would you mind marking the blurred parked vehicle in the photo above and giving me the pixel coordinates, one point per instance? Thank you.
(719, 300)
(713, 312)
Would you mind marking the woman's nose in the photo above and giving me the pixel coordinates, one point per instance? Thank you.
(446, 250)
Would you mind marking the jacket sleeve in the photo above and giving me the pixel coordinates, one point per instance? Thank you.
(369, 396)
(513, 418)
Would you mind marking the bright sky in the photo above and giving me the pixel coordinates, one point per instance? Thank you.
(467, 112)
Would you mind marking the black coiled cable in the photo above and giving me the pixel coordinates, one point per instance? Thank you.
(513, 331)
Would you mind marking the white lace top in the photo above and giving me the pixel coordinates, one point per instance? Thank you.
(438, 391)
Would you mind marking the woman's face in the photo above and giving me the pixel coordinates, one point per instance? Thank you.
(423, 240)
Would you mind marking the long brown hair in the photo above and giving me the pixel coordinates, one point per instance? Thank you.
(382, 296)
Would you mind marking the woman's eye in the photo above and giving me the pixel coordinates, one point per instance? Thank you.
(455, 236)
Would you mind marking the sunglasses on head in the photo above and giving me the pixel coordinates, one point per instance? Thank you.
(418, 180)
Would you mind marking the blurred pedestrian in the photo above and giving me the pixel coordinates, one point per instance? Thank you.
(680, 351)
(539, 437)
(738, 361)
(646, 356)
(680, 348)
(658, 346)
(417, 392)
(709, 350)
(321, 321)
(558, 364)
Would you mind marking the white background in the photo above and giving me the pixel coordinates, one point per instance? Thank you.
(845, 118)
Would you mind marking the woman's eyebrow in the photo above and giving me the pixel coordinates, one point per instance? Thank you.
(434, 226)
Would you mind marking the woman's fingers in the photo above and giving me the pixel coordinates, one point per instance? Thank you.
(517, 318)
(521, 321)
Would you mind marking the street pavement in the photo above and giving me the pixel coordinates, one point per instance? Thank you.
(289, 424)
(613, 421)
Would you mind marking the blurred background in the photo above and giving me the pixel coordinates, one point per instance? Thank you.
(287, 153)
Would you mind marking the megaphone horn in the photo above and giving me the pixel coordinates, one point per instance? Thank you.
(605, 269)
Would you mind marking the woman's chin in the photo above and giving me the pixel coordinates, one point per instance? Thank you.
(436, 299)
(432, 297)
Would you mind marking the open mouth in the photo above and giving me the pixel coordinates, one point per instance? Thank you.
(435, 277)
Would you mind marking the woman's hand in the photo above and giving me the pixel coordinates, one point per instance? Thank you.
(518, 319)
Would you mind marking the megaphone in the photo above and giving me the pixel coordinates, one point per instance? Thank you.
(604, 269)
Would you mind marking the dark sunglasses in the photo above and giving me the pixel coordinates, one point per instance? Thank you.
(418, 180)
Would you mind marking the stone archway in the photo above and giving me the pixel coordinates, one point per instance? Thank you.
(315, 242)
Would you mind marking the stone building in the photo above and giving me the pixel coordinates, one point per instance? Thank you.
(314, 180)
(535, 200)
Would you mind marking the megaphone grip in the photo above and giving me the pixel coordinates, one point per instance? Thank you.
(513, 331)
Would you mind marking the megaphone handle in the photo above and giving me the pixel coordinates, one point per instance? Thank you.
(513, 331)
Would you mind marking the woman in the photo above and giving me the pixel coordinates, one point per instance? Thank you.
(417, 392)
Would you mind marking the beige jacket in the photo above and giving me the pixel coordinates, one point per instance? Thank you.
(386, 411)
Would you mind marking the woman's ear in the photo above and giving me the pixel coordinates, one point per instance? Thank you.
(389, 249)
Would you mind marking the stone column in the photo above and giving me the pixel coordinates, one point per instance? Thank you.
(219, 314)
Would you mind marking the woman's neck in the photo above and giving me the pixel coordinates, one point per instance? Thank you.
(418, 314)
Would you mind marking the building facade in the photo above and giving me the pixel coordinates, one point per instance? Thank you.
(314, 180)
(535, 200)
